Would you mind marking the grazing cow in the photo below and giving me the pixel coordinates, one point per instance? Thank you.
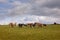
(34, 25)
(20, 25)
(11, 25)
(39, 24)
(30, 24)
(44, 25)
(55, 23)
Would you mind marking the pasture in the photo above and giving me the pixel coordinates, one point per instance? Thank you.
(50, 32)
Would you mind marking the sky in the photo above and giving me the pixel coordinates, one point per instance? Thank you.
(25, 11)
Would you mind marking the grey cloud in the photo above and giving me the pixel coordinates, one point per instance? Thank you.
(40, 8)
(52, 4)
(47, 8)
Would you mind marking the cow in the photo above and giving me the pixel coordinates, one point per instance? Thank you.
(20, 25)
(11, 25)
(44, 25)
(55, 23)
(38, 24)
(30, 24)
(34, 25)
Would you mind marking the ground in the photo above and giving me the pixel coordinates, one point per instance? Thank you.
(50, 32)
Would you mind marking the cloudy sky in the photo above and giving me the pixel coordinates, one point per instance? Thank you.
(24, 11)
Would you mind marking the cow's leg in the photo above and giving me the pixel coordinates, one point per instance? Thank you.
(12, 26)
(21, 26)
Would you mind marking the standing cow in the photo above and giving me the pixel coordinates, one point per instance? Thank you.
(11, 25)
(38, 24)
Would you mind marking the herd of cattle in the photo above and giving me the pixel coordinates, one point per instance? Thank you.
(28, 24)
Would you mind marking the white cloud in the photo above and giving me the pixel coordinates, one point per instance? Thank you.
(30, 19)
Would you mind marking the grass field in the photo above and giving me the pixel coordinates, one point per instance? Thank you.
(50, 32)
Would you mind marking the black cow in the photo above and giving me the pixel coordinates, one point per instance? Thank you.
(55, 23)
(44, 25)
(20, 25)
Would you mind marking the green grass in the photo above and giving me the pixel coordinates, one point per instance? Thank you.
(50, 32)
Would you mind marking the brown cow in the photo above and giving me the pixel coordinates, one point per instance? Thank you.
(11, 25)
(38, 24)
(30, 24)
